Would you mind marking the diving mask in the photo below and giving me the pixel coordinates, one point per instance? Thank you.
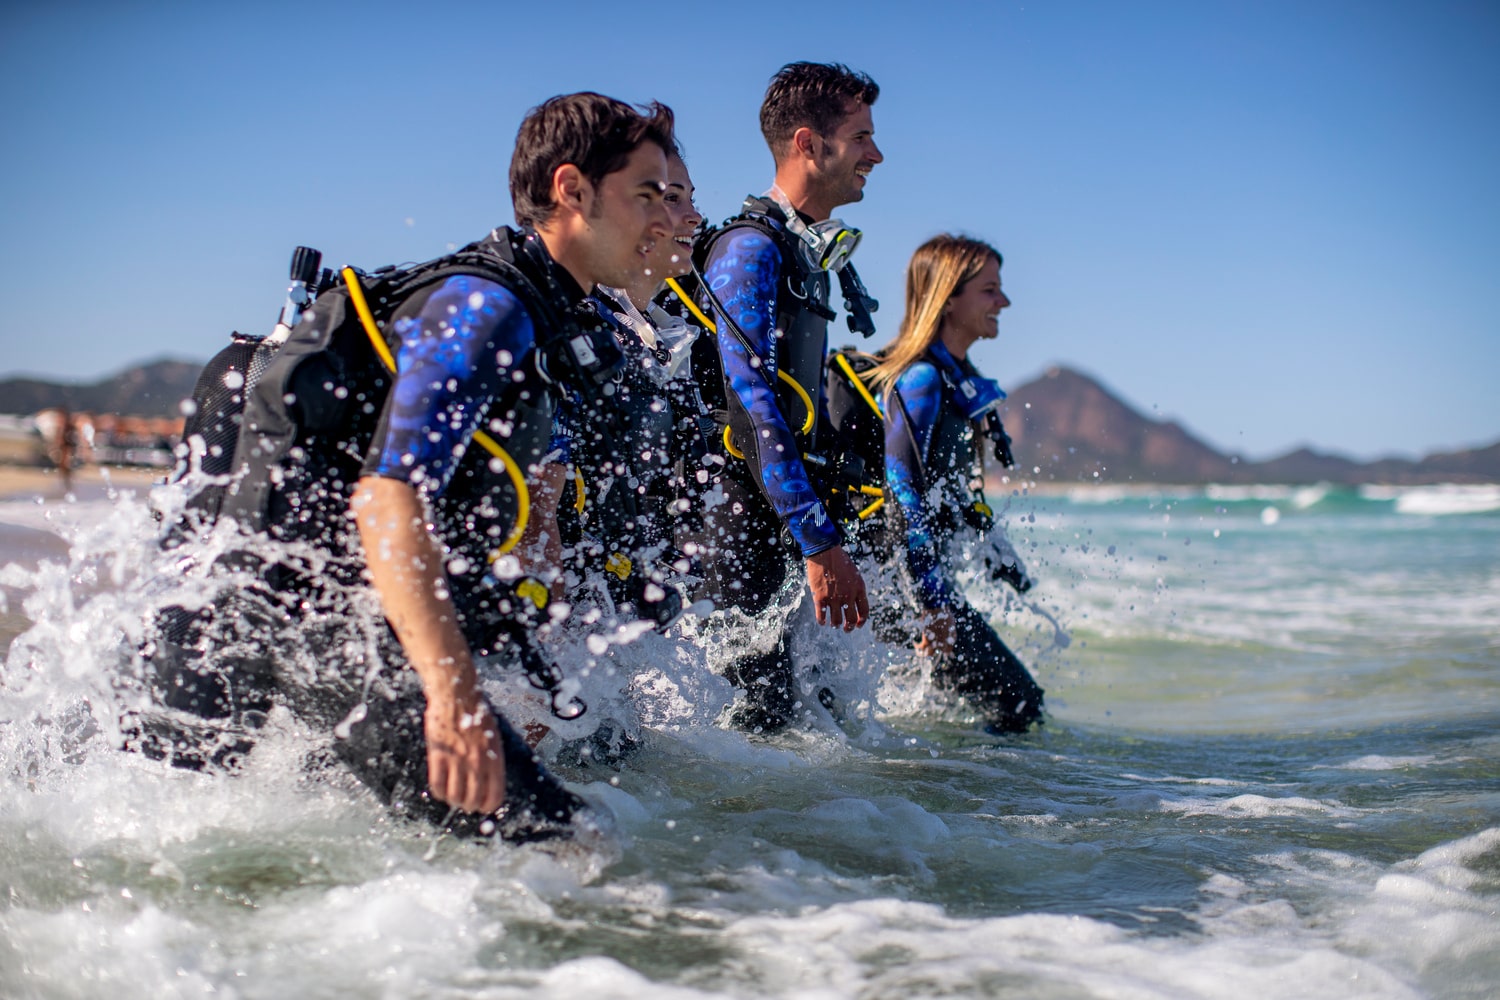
(826, 245)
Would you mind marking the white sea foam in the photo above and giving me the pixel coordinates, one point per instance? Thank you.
(1376, 762)
(889, 948)
(1172, 779)
(1251, 806)
(1451, 499)
(1242, 494)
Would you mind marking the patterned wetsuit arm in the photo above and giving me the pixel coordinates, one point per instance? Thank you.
(743, 272)
(456, 355)
(911, 415)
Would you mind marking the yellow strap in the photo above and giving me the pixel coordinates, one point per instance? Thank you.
(729, 444)
(692, 306)
(807, 425)
(579, 489)
(859, 384)
(367, 319)
(489, 444)
(807, 403)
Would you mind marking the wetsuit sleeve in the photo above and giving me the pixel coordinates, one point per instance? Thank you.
(911, 414)
(743, 272)
(455, 356)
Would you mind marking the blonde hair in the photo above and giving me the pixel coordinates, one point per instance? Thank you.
(937, 272)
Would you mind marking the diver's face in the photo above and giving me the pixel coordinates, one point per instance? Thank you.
(973, 312)
(845, 158)
(628, 218)
(674, 257)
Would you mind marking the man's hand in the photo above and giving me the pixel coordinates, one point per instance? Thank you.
(465, 761)
(838, 590)
(938, 633)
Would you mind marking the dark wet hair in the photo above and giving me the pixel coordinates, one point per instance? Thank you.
(595, 133)
(817, 95)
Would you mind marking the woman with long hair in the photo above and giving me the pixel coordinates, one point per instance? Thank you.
(938, 412)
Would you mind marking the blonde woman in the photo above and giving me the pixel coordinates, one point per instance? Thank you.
(938, 412)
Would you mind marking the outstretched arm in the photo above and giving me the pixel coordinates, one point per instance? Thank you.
(465, 762)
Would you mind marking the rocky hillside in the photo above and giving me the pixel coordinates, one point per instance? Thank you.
(151, 390)
(1067, 427)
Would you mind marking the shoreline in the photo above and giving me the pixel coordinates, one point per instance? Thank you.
(1135, 490)
(20, 482)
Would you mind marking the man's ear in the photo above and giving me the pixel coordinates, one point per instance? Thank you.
(805, 143)
(571, 191)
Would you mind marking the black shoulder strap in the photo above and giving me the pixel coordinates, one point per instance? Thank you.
(850, 365)
(765, 217)
(506, 253)
(756, 214)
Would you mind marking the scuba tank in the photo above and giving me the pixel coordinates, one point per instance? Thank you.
(175, 673)
(218, 401)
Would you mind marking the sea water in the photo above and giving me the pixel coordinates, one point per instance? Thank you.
(1270, 768)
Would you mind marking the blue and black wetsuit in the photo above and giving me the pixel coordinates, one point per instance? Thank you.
(774, 411)
(744, 272)
(623, 452)
(931, 470)
(321, 418)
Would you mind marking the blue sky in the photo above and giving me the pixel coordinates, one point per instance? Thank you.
(1276, 222)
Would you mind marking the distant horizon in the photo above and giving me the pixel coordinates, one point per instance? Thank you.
(1009, 386)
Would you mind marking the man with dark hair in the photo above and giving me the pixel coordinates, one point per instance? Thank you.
(811, 95)
(407, 475)
(767, 274)
(586, 130)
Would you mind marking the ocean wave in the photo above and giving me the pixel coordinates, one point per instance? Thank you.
(1250, 806)
(1448, 499)
(1318, 498)
(1259, 493)
(1376, 762)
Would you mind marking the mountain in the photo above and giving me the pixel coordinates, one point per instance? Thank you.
(1067, 427)
(155, 389)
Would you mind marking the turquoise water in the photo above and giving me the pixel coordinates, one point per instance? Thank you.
(1271, 767)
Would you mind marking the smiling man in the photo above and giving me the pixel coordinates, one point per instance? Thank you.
(392, 452)
(767, 277)
(588, 179)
